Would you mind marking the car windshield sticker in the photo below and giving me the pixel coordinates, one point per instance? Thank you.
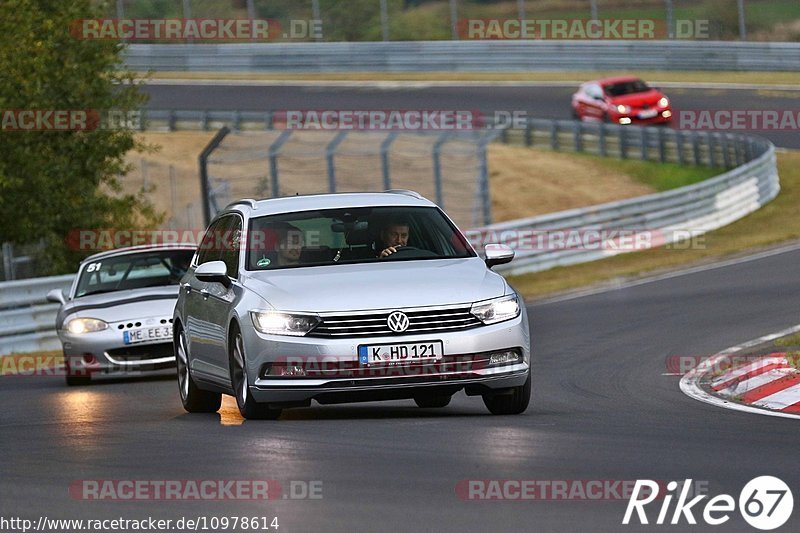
(263, 262)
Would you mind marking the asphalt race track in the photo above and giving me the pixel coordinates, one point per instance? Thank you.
(538, 102)
(602, 410)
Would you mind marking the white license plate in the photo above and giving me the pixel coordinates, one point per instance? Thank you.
(650, 113)
(400, 353)
(147, 334)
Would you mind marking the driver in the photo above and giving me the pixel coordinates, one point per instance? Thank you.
(393, 236)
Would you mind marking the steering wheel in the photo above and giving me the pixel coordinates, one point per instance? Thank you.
(403, 251)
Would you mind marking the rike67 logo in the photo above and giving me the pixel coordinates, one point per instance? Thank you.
(765, 503)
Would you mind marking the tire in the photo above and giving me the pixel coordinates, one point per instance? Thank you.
(194, 400)
(510, 404)
(75, 379)
(249, 408)
(430, 402)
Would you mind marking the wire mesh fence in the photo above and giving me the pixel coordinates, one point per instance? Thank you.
(449, 168)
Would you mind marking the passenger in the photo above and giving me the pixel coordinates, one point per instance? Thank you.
(290, 245)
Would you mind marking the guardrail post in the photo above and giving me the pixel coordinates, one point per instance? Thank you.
(696, 148)
(577, 135)
(528, 134)
(329, 151)
(205, 188)
(269, 120)
(738, 150)
(601, 140)
(679, 147)
(662, 149)
(172, 120)
(504, 135)
(437, 167)
(712, 152)
(237, 121)
(387, 142)
(623, 144)
(554, 135)
(726, 156)
(8, 261)
(274, 151)
(748, 149)
(204, 120)
(643, 143)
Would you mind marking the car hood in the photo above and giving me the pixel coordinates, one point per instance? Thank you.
(389, 285)
(638, 99)
(123, 305)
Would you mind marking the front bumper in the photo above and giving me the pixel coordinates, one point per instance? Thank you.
(106, 351)
(340, 378)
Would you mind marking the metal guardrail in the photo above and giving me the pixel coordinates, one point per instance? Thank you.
(490, 56)
(663, 217)
(27, 320)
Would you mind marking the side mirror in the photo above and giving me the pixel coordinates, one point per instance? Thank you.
(497, 254)
(213, 272)
(56, 296)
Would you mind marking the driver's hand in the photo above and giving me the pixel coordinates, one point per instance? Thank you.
(388, 251)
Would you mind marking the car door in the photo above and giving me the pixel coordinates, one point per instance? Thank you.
(220, 297)
(196, 316)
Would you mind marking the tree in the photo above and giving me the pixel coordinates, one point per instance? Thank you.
(52, 182)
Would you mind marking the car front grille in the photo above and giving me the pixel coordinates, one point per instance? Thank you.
(423, 320)
(143, 352)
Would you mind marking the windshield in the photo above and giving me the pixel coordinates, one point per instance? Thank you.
(133, 271)
(352, 235)
(626, 87)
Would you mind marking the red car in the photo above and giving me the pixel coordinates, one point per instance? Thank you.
(621, 100)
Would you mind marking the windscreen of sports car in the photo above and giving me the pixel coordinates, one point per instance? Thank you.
(399, 265)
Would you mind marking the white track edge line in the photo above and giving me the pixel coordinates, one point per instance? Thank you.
(690, 387)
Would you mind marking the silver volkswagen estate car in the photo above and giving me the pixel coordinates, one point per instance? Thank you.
(343, 298)
(117, 317)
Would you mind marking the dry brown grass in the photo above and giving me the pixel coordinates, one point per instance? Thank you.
(527, 182)
(174, 162)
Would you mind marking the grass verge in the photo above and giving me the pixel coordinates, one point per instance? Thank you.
(774, 223)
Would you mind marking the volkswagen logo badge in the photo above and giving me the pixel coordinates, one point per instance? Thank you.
(398, 322)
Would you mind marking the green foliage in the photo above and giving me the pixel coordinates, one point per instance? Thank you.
(52, 182)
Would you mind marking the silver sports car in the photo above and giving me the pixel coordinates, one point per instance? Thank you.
(347, 297)
(117, 316)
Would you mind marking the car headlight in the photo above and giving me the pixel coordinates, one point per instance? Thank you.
(78, 326)
(664, 102)
(278, 323)
(496, 310)
(624, 108)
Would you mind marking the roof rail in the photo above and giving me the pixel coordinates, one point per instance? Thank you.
(248, 201)
(406, 192)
